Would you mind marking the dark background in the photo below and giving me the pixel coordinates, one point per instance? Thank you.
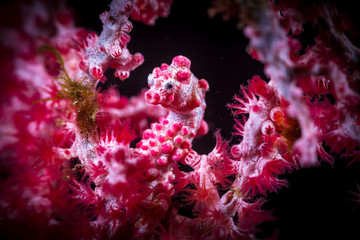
(318, 203)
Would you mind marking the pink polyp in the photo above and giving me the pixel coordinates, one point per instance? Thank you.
(164, 66)
(154, 152)
(184, 131)
(181, 61)
(116, 52)
(170, 133)
(178, 139)
(161, 137)
(147, 134)
(167, 147)
(127, 27)
(165, 121)
(124, 39)
(162, 160)
(204, 84)
(156, 72)
(152, 143)
(186, 144)
(176, 127)
(158, 127)
(84, 65)
(152, 97)
(127, 7)
(122, 75)
(96, 72)
(178, 155)
(267, 128)
(139, 144)
(144, 147)
(183, 76)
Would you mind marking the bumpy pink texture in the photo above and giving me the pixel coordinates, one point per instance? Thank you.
(148, 11)
(110, 48)
(56, 179)
(176, 89)
(265, 151)
(311, 100)
(289, 74)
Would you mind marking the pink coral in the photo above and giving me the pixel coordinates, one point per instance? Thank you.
(85, 160)
(268, 137)
(148, 11)
(109, 49)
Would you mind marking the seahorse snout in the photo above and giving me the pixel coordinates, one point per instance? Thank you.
(152, 97)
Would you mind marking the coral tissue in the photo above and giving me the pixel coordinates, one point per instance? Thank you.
(82, 162)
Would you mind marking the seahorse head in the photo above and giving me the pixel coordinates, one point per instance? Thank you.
(175, 87)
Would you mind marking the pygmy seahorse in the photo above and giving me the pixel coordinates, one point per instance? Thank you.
(175, 88)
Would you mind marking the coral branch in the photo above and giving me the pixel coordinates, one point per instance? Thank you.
(109, 49)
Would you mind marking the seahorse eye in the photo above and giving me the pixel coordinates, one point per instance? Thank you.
(168, 86)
